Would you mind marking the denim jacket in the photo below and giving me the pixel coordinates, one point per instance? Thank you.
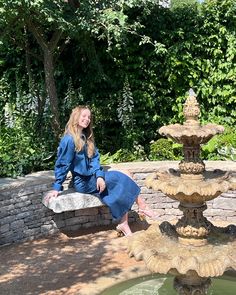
(76, 162)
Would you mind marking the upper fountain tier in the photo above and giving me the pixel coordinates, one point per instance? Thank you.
(191, 183)
(191, 133)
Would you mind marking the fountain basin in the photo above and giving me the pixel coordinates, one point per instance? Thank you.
(158, 246)
(163, 284)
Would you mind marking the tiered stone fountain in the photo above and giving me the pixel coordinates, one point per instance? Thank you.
(193, 249)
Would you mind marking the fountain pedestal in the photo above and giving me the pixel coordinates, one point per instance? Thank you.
(191, 284)
(193, 228)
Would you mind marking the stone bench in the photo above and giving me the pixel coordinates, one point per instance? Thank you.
(70, 200)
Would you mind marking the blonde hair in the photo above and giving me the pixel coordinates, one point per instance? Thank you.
(75, 132)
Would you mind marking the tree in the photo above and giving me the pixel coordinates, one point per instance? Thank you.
(52, 24)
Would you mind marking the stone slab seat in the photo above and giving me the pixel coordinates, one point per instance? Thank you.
(70, 200)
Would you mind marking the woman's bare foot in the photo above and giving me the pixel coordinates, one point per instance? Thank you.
(146, 212)
(123, 229)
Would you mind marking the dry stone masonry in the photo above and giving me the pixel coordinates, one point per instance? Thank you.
(23, 216)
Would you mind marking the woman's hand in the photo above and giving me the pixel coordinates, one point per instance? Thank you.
(51, 194)
(101, 185)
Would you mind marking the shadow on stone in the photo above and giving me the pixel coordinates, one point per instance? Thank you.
(168, 229)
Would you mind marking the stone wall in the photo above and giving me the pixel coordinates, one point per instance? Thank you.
(24, 217)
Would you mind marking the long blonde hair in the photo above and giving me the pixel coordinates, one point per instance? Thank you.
(75, 132)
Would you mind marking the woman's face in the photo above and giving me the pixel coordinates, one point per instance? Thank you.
(84, 119)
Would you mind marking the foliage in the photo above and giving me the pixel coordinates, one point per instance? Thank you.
(165, 149)
(19, 155)
(131, 61)
(125, 112)
(137, 153)
(228, 152)
(203, 58)
(175, 4)
(221, 147)
(126, 107)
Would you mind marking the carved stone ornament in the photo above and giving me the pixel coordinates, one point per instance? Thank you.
(192, 285)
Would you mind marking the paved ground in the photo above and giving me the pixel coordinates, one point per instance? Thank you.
(82, 264)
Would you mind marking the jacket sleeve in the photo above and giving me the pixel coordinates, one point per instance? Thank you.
(65, 156)
(96, 166)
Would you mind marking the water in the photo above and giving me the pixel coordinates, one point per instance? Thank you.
(163, 285)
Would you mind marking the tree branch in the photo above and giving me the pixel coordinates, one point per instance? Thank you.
(54, 40)
(61, 48)
(37, 34)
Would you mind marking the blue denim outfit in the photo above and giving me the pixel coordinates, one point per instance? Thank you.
(121, 191)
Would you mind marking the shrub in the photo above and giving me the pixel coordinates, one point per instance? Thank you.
(19, 155)
(137, 153)
(165, 149)
(221, 147)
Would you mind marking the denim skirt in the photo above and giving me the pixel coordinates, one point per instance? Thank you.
(120, 193)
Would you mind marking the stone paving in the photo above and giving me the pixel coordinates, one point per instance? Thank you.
(86, 263)
(83, 264)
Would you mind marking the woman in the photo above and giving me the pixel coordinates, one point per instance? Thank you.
(77, 153)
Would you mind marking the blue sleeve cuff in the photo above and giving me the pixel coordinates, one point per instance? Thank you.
(100, 173)
(57, 187)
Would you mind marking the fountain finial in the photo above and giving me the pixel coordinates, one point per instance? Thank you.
(191, 92)
(191, 109)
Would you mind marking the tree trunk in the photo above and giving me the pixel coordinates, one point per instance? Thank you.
(48, 50)
(52, 91)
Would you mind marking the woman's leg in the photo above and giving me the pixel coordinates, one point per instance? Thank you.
(141, 203)
(123, 226)
(120, 193)
(144, 210)
(124, 218)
